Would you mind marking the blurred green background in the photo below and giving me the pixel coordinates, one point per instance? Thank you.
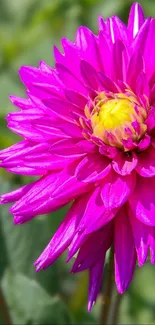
(28, 30)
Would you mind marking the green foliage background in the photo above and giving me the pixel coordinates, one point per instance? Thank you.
(28, 30)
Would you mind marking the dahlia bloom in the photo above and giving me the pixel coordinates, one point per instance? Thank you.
(88, 128)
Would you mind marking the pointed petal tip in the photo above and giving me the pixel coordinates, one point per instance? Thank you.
(38, 268)
(136, 19)
(121, 289)
(39, 265)
(137, 10)
(18, 220)
(90, 306)
(140, 263)
(2, 200)
(36, 262)
(142, 256)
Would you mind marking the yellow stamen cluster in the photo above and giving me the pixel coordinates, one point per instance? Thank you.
(112, 118)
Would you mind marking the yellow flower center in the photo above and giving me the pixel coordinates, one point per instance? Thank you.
(113, 113)
(113, 118)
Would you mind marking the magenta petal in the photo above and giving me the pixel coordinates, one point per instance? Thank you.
(149, 50)
(136, 19)
(107, 83)
(62, 237)
(139, 41)
(14, 149)
(144, 143)
(141, 238)
(119, 29)
(70, 80)
(142, 85)
(124, 251)
(86, 42)
(52, 191)
(106, 59)
(116, 189)
(124, 165)
(61, 108)
(97, 243)
(142, 201)
(95, 215)
(89, 74)
(135, 68)
(150, 121)
(95, 279)
(22, 103)
(76, 98)
(108, 151)
(120, 59)
(92, 168)
(16, 194)
(67, 148)
(146, 163)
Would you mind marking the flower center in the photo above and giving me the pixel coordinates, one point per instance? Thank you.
(112, 114)
(117, 117)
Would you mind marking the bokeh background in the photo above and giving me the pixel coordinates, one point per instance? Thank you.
(28, 31)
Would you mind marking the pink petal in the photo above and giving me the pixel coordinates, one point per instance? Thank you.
(52, 192)
(124, 251)
(67, 148)
(139, 42)
(142, 85)
(70, 80)
(76, 98)
(141, 238)
(116, 189)
(124, 165)
(136, 19)
(89, 75)
(120, 59)
(107, 83)
(142, 201)
(68, 58)
(95, 279)
(119, 30)
(149, 50)
(97, 243)
(95, 215)
(144, 143)
(150, 121)
(108, 151)
(92, 168)
(146, 163)
(22, 103)
(86, 42)
(14, 149)
(16, 194)
(135, 68)
(61, 108)
(62, 237)
(106, 59)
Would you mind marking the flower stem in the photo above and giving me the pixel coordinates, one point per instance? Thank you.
(114, 315)
(4, 309)
(107, 290)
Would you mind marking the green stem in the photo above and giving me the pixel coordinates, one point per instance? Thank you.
(4, 309)
(114, 313)
(107, 290)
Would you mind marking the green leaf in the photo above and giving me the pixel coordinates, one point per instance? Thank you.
(29, 303)
(22, 244)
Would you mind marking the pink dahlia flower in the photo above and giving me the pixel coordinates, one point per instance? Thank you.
(88, 128)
